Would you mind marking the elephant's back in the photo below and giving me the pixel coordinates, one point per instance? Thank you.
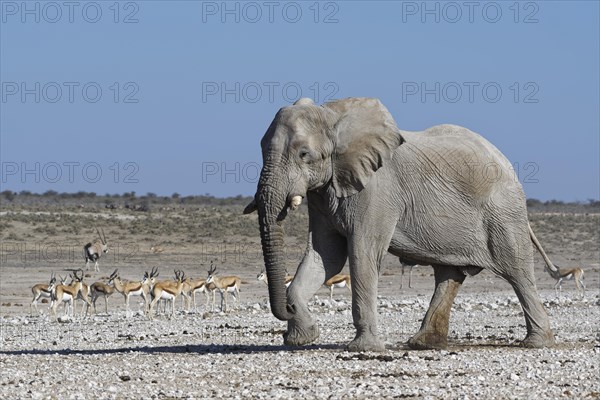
(450, 136)
(454, 156)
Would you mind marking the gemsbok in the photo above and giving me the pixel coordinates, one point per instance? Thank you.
(93, 251)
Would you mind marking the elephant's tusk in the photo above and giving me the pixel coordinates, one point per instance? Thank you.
(295, 202)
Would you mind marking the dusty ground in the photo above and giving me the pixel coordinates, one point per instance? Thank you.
(240, 354)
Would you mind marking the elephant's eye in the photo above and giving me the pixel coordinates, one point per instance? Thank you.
(304, 155)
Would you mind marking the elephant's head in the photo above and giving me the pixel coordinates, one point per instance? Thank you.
(307, 147)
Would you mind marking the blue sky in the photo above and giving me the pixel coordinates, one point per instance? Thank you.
(164, 97)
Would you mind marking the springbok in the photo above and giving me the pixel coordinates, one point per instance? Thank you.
(411, 266)
(157, 248)
(68, 294)
(93, 251)
(190, 288)
(208, 289)
(169, 282)
(83, 295)
(225, 284)
(139, 288)
(102, 289)
(561, 274)
(262, 277)
(149, 279)
(43, 290)
(167, 291)
(338, 281)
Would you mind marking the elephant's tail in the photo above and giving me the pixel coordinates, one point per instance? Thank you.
(538, 246)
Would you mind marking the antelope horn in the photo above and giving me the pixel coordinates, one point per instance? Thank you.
(104, 236)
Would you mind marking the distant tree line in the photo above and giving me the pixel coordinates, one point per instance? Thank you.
(145, 202)
(26, 197)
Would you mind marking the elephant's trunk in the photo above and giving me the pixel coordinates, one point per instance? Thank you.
(271, 203)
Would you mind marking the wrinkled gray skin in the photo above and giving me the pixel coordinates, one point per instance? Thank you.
(444, 197)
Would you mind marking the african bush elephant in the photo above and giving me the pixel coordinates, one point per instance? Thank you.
(444, 197)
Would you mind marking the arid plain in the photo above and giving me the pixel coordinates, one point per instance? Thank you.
(204, 354)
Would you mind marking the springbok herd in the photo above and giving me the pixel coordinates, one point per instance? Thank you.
(153, 291)
(149, 288)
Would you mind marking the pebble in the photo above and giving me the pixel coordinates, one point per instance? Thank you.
(240, 354)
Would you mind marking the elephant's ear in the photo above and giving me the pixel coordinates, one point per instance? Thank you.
(365, 139)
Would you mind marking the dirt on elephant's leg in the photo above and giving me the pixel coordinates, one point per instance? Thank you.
(434, 328)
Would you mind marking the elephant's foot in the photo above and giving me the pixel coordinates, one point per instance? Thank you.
(538, 339)
(365, 342)
(298, 335)
(428, 340)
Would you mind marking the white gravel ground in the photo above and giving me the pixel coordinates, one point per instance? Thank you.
(240, 354)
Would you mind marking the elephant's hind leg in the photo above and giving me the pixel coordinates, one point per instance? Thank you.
(434, 328)
(539, 333)
(513, 260)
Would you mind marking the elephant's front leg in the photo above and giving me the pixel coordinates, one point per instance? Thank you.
(325, 256)
(364, 270)
(434, 328)
(302, 329)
